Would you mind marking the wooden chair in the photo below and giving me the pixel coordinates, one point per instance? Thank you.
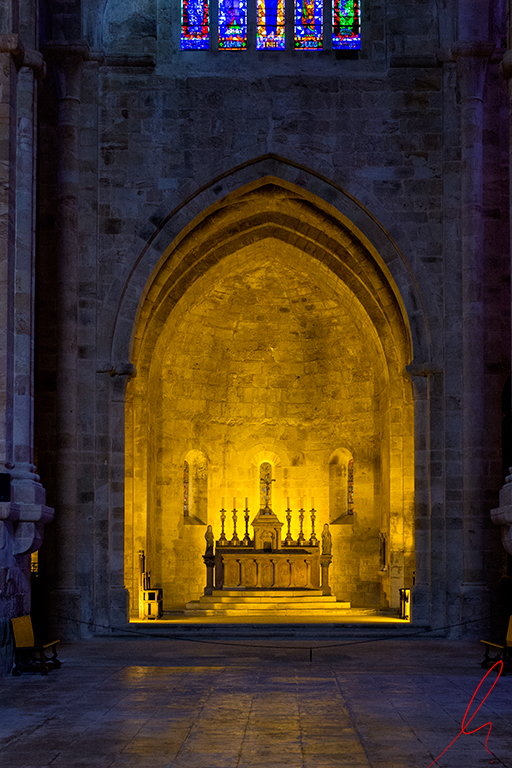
(30, 657)
(504, 653)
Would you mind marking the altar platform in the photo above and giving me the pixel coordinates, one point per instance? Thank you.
(279, 602)
(365, 621)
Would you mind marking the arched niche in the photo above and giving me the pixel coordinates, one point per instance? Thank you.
(341, 468)
(129, 27)
(195, 507)
(270, 326)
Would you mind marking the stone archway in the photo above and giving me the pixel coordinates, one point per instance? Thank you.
(271, 320)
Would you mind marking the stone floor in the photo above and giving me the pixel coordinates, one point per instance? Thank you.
(153, 703)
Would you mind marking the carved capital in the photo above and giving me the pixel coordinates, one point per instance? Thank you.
(11, 43)
(472, 49)
(28, 537)
(472, 59)
(23, 57)
(67, 59)
(506, 65)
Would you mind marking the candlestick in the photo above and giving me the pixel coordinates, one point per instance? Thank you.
(288, 540)
(247, 539)
(235, 540)
(313, 540)
(222, 541)
(301, 540)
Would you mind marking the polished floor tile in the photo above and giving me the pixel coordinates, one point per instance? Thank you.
(147, 703)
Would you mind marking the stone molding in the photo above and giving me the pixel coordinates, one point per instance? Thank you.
(423, 369)
(472, 49)
(23, 57)
(28, 513)
(410, 61)
(118, 369)
(467, 49)
(54, 50)
(147, 62)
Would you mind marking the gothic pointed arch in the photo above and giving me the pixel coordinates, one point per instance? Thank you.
(210, 363)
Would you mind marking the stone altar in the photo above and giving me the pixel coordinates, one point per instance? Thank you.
(265, 561)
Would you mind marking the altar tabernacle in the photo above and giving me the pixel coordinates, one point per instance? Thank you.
(265, 561)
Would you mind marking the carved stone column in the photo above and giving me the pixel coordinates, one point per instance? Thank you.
(503, 514)
(65, 598)
(472, 60)
(433, 546)
(22, 517)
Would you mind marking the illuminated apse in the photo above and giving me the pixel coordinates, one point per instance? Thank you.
(270, 334)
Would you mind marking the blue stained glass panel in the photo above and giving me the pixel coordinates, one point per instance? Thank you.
(195, 25)
(346, 24)
(233, 25)
(308, 24)
(270, 25)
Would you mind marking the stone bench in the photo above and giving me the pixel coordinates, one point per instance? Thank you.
(28, 655)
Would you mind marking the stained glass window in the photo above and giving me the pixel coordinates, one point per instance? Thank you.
(308, 24)
(233, 24)
(195, 24)
(186, 485)
(350, 488)
(346, 24)
(270, 25)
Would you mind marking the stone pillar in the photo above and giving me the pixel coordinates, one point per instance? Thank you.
(209, 561)
(112, 598)
(503, 514)
(325, 561)
(422, 591)
(472, 60)
(27, 489)
(22, 518)
(65, 597)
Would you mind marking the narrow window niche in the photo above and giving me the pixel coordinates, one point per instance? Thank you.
(195, 489)
(341, 488)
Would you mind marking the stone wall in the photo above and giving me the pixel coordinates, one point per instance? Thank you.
(156, 143)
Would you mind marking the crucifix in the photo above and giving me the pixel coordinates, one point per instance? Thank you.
(266, 482)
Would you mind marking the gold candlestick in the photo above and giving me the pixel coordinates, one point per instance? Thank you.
(301, 540)
(313, 540)
(222, 541)
(235, 540)
(288, 540)
(247, 539)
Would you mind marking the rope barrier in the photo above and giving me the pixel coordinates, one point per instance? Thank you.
(160, 636)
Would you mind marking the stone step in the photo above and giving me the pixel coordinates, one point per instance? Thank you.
(266, 607)
(233, 612)
(337, 627)
(246, 600)
(272, 593)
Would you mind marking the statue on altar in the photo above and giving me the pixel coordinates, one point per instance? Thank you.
(209, 541)
(326, 541)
